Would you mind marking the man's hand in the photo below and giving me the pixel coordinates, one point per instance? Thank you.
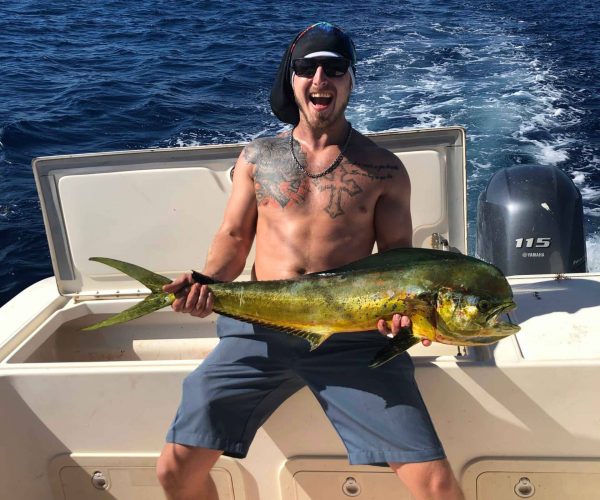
(191, 297)
(398, 321)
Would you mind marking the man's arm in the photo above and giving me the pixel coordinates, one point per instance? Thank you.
(393, 229)
(393, 221)
(229, 248)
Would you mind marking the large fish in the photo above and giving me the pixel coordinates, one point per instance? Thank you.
(451, 298)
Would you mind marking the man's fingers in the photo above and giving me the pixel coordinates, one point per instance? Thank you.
(192, 298)
(177, 284)
(204, 306)
(178, 304)
(210, 302)
(404, 321)
(171, 287)
(382, 327)
(396, 321)
(201, 303)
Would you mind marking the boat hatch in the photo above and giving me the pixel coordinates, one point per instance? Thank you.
(160, 208)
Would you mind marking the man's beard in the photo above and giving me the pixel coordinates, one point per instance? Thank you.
(320, 122)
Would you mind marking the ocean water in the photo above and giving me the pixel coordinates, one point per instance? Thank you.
(521, 77)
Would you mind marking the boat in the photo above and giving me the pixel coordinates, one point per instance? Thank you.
(84, 414)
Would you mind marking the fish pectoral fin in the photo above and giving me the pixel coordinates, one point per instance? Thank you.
(154, 282)
(151, 303)
(403, 341)
(315, 339)
(422, 326)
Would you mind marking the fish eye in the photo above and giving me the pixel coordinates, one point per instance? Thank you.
(483, 305)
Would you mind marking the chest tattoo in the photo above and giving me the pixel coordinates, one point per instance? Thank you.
(340, 185)
(278, 182)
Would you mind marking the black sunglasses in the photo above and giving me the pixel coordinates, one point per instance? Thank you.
(332, 66)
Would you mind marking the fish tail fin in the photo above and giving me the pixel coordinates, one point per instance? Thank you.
(151, 303)
(154, 282)
(401, 342)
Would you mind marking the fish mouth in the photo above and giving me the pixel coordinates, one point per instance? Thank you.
(492, 316)
(501, 327)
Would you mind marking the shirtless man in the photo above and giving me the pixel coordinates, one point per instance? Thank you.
(316, 198)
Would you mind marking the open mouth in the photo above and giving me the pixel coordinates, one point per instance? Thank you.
(502, 327)
(321, 100)
(497, 311)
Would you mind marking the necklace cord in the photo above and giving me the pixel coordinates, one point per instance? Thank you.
(331, 167)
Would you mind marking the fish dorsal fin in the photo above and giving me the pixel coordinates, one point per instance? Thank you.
(154, 282)
(397, 257)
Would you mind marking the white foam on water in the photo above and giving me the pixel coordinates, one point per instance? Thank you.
(593, 253)
(578, 178)
(550, 153)
(590, 193)
(5, 210)
(478, 165)
(194, 138)
(386, 54)
(592, 212)
(430, 120)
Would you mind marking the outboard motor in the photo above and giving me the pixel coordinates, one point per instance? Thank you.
(530, 221)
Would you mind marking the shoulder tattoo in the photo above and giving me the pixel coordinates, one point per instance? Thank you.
(276, 179)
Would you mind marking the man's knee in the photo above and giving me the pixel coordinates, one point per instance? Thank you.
(442, 481)
(433, 479)
(168, 469)
(180, 467)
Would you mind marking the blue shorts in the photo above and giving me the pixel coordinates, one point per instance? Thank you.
(378, 412)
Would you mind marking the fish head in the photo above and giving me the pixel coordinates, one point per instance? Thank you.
(468, 318)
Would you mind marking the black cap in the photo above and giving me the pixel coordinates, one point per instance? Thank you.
(317, 37)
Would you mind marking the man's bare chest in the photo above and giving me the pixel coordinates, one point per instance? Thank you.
(280, 184)
(344, 190)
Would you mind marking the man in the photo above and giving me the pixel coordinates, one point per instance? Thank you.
(316, 198)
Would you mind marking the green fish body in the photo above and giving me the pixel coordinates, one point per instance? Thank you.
(450, 298)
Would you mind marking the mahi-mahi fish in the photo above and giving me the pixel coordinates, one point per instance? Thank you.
(450, 298)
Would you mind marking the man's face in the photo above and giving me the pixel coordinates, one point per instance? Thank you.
(321, 99)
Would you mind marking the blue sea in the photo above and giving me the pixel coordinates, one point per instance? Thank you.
(521, 77)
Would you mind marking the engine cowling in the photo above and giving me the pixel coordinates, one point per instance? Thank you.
(530, 221)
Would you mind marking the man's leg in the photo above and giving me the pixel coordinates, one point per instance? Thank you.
(432, 480)
(183, 472)
(224, 401)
